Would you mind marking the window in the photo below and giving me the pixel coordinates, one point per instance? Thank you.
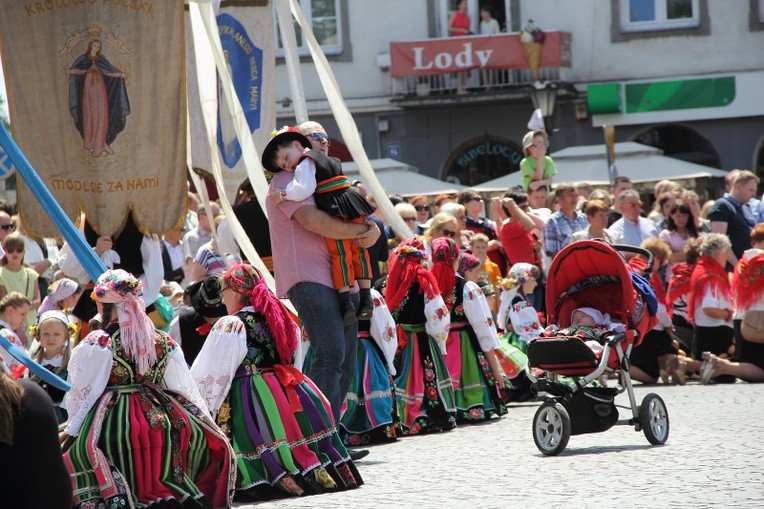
(325, 19)
(761, 11)
(649, 15)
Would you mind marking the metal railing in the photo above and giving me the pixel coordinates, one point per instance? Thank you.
(478, 79)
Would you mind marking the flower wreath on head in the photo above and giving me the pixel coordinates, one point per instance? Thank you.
(507, 283)
(119, 281)
(53, 315)
(285, 129)
(409, 251)
(519, 274)
(444, 250)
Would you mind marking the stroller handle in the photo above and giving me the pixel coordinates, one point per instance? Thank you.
(625, 248)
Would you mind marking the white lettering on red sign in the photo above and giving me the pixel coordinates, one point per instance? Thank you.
(444, 60)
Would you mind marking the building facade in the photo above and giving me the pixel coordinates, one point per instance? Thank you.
(683, 75)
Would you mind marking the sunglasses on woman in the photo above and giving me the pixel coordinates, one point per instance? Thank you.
(7, 227)
(448, 233)
(420, 208)
(320, 137)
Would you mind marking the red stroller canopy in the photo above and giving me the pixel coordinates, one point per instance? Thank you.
(590, 273)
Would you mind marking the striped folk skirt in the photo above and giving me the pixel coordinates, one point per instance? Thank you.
(141, 445)
(283, 435)
(368, 414)
(424, 392)
(475, 390)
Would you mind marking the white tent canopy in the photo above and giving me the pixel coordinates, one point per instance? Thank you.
(641, 163)
(401, 178)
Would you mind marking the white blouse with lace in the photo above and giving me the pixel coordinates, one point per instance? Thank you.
(479, 315)
(438, 320)
(90, 368)
(223, 352)
(383, 330)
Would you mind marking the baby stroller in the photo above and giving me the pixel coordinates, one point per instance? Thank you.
(593, 274)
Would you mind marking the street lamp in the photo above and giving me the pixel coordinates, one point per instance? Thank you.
(544, 97)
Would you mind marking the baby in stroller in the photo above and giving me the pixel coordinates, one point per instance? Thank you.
(589, 325)
(602, 310)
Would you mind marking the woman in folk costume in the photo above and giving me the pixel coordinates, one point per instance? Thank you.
(369, 414)
(710, 300)
(139, 433)
(517, 316)
(678, 291)
(472, 339)
(748, 296)
(656, 356)
(520, 322)
(423, 390)
(279, 423)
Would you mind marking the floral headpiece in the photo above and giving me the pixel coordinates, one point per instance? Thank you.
(519, 274)
(444, 250)
(467, 262)
(53, 315)
(413, 248)
(137, 331)
(119, 281)
(241, 278)
(284, 129)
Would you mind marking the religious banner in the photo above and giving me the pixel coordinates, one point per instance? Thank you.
(246, 35)
(452, 54)
(96, 94)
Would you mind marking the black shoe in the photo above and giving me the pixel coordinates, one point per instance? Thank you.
(358, 454)
(366, 310)
(348, 313)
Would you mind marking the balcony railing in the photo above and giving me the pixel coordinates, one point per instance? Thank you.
(436, 66)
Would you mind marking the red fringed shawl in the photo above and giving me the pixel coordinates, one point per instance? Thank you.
(657, 284)
(707, 275)
(403, 273)
(445, 275)
(748, 282)
(679, 285)
(278, 319)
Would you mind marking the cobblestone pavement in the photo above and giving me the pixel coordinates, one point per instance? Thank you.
(714, 457)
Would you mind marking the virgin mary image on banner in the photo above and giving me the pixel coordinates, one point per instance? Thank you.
(97, 99)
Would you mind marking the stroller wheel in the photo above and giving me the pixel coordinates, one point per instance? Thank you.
(654, 419)
(551, 428)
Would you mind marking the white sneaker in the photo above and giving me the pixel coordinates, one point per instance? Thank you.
(708, 367)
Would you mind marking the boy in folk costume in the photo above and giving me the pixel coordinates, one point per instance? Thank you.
(316, 173)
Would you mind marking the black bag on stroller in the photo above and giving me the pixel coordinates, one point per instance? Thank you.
(592, 409)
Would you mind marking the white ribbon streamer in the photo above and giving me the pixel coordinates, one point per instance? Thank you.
(346, 123)
(206, 40)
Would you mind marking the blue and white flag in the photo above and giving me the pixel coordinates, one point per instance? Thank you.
(246, 35)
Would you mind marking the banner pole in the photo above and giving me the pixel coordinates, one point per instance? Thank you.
(84, 253)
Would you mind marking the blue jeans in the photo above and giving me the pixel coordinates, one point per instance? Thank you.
(334, 346)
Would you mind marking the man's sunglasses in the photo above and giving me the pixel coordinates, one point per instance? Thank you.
(8, 226)
(320, 137)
